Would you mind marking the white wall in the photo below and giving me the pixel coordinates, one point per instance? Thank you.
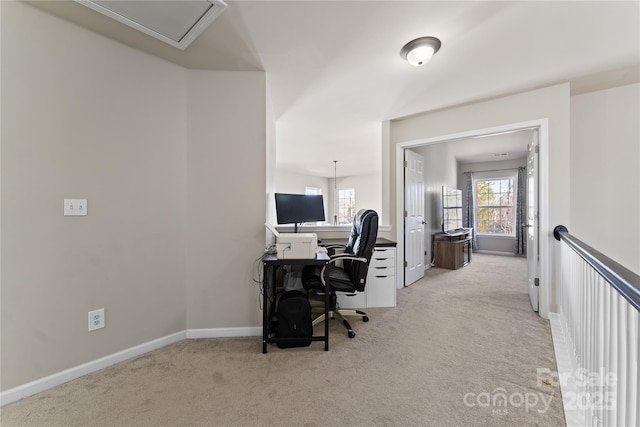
(295, 183)
(440, 168)
(226, 196)
(367, 189)
(171, 162)
(72, 128)
(270, 185)
(605, 177)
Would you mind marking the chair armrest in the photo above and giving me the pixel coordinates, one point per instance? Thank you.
(343, 255)
(339, 257)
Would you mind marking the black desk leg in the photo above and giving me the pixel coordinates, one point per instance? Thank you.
(265, 284)
(327, 302)
(268, 292)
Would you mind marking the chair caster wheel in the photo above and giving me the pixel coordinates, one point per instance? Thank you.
(365, 318)
(351, 334)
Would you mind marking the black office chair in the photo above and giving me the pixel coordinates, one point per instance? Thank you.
(352, 276)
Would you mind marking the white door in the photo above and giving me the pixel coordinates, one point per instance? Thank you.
(413, 217)
(533, 255)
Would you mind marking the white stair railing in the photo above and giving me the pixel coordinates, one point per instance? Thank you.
(599, 316)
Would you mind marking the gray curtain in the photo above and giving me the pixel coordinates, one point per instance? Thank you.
(469, 211)
(521, 213)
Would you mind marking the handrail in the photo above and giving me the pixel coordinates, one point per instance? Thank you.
(625, 281)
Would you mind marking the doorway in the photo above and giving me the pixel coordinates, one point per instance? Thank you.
(541, 126)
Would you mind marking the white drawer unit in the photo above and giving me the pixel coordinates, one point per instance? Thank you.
(358, 300)
(380, 290)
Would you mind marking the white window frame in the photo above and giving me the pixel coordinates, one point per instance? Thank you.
(511, 174)
(313, 191)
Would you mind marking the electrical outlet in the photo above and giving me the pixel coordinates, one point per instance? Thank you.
(96, 319)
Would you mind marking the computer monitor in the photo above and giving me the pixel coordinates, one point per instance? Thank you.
(299, 208)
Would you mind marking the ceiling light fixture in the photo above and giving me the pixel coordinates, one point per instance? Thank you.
(419, 51)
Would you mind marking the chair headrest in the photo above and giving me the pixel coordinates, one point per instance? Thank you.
(363, 232)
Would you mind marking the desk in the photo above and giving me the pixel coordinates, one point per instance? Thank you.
(381, 242)
(271, 264)
(452, 250)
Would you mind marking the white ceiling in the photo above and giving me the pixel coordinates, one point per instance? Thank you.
(492, 148)
(334, 70)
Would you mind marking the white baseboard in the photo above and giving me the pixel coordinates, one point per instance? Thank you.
(565, 370)
(248, 331)
(482, 251)
(48, 382)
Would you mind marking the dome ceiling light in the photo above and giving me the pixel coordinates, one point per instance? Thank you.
(419, 51)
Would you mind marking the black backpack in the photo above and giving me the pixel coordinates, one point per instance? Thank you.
(294, 319)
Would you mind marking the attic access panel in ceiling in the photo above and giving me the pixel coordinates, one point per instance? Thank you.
(177, 23)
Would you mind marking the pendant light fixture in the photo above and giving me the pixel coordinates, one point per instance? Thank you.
(335, 192)
(419, 51)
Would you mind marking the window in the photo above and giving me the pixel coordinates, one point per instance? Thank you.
(312, 191)
(346, 205)
(495, 211)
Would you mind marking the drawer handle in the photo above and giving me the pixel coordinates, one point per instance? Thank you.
(379, 268)
(382, 276)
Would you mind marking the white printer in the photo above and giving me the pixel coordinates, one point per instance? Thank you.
(295, 245)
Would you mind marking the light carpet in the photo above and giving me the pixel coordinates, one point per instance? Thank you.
(462, 348)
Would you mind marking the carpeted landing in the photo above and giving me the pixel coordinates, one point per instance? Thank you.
(462, 348)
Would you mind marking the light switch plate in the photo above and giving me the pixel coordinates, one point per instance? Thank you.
(75, 207)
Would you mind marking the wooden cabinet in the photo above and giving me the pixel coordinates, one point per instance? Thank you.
(380, 290)
(452, 250)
